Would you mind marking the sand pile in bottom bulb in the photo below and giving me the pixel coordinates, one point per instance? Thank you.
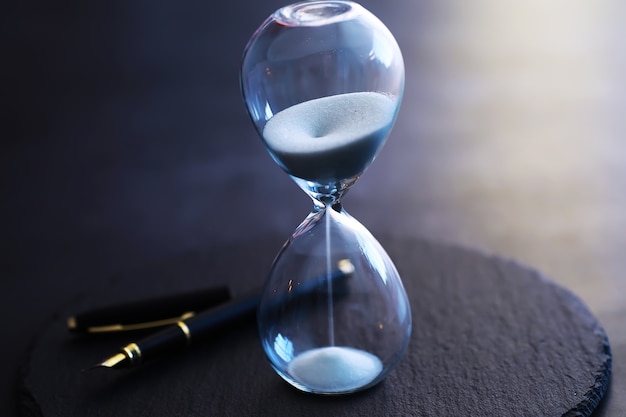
(335, 369)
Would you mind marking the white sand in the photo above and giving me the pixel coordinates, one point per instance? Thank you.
(335, 369)
(344, 131)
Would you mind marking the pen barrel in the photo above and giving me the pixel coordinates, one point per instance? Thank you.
(163, 343)
(198, 327)
(219, 318)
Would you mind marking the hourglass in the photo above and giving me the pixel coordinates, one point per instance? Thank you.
(322, 82)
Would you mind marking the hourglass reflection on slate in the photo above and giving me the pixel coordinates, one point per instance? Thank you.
(323, 82)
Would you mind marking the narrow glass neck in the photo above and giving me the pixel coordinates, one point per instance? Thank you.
(320, 206)
(327, 194)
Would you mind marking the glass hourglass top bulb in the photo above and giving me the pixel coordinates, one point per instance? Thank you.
(323, 81)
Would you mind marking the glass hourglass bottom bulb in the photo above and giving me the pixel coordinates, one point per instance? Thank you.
(329, 329)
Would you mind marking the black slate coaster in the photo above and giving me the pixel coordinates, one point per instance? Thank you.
(490, 337)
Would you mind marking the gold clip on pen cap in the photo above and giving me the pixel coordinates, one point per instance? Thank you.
(118, 327)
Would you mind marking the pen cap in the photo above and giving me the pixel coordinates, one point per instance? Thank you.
(147, 313)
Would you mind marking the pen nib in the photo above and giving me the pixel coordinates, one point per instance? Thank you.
(116, 361)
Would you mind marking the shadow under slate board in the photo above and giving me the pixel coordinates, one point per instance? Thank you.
(490, 337)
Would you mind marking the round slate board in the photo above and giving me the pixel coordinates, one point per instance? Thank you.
(490, 337)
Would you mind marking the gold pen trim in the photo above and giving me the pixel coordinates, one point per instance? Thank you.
(136, 326)
(133, 353)
(185, 330)
(346, 267)
(71, 323)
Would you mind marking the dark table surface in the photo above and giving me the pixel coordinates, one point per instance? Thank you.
(125, 142)
(490, 338)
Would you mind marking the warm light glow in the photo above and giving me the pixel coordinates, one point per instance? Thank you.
(512, 114)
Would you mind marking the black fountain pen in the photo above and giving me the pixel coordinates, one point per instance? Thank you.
(203, 324)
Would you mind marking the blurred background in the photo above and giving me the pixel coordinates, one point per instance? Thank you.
(125, 141)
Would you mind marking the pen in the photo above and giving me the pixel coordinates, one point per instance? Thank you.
(150, 313)
(203, 324)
